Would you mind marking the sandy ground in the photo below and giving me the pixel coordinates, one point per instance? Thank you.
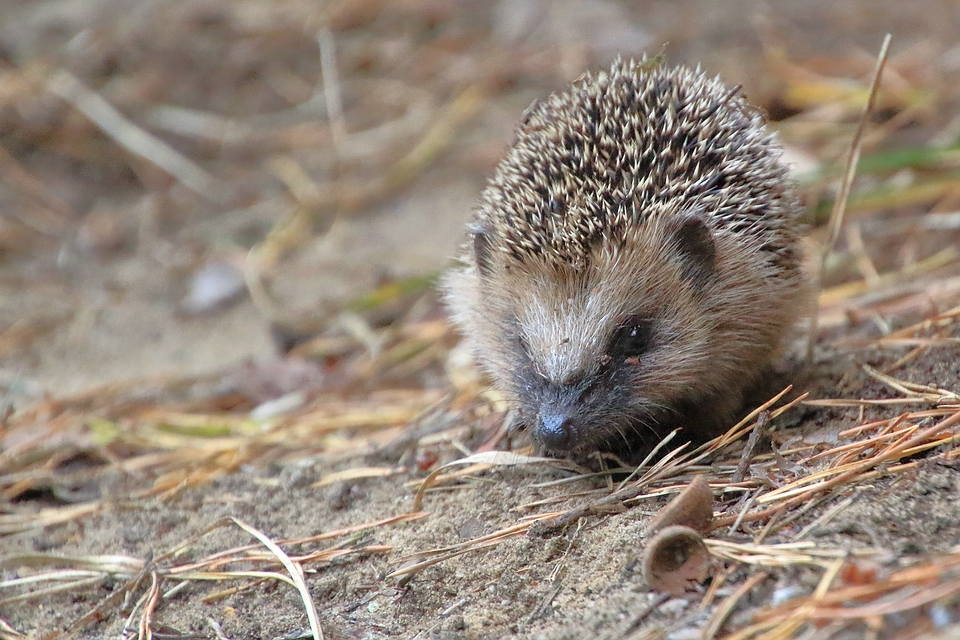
(98, 260)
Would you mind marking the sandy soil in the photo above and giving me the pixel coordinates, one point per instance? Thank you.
(99, 258)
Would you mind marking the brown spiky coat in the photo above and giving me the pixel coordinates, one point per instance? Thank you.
(644, 201)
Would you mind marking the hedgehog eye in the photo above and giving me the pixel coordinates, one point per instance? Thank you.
(632, 339)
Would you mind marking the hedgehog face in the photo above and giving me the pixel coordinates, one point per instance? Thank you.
(604, 355)
(604, 403)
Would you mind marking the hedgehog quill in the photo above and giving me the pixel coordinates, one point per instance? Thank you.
(634, 264)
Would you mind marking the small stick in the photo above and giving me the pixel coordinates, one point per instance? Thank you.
(153, 596)
(727, 606)
(840, 204)
(134, 139)
(331, 88)
(746, 507)
(747, 455)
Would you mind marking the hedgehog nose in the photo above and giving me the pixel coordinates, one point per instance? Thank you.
(554, 431)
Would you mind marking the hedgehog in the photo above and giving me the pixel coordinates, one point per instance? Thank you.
(633, 265)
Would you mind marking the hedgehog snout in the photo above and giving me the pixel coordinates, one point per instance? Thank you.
(554, 430)
(558, 418)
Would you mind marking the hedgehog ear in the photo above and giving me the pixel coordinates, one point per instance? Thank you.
(698, 254)
(482, 251)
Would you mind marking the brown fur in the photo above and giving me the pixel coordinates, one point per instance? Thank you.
(645, 197)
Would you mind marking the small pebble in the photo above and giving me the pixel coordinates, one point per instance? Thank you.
(216, 283)
(279, 406)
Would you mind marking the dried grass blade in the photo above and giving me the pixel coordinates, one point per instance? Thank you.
(152, 597)
(9, 633)
(106, 564)
(358, 473)
(937, 321)
(842, 402)
(39, 593)
(801, 615)
(924, 597)
(295, 572)
(133, 138)
(346, 531)
(479, 462)
(16, 523)
(726, 607)
(55, 576)
(219, 576)
(435, 556)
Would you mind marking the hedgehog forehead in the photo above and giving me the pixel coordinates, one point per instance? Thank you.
(565, 322)
(564, 336)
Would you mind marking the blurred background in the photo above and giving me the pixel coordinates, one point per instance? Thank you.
(189, 185)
